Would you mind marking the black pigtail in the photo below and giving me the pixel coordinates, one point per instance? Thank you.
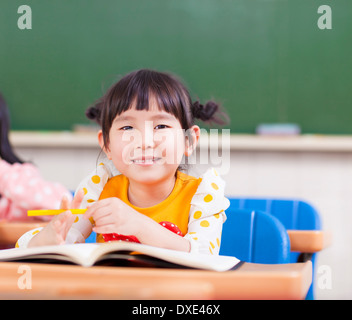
(94, 112)
(210, 113)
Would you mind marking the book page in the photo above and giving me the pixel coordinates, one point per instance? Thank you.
(200, 261)
(86, 254)
(75, 253)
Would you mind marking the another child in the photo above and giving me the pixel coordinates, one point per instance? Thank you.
(138, 193)
(21, 186)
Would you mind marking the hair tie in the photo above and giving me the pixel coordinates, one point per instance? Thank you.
(94, 112)
(198, 110)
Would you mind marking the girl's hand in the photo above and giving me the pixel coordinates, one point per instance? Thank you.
(112, 215)
(76, 202)
(56, 230)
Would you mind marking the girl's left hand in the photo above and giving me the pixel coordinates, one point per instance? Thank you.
(112, 215)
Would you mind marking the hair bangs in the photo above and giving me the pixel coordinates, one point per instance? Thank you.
(152, 88)
(144, 89)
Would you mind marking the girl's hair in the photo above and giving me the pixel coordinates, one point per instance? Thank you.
(6, 151)
(138, 87)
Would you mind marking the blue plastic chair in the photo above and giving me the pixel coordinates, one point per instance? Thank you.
(293, 214)
(254, 236)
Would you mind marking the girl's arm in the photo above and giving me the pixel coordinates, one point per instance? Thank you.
(112, 215)
(91, 186)
(204, 234)
(153, 234)
(89, 191)
(206, 218)
(94, 183)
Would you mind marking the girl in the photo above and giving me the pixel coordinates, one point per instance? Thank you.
(21, 185)
(139, 193)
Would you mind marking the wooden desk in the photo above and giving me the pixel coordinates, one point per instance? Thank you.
(249, 281)
(10, 232)
(309, 241)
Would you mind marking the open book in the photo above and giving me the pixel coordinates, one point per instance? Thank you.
(118, 254)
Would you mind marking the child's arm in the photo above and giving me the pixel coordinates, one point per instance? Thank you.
(207, 214)
(25, 189)
(154, 234)
(94, 183)
(205, 234)
(112, 215)
(92, 187)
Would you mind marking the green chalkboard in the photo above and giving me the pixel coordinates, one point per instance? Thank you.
(266, 61)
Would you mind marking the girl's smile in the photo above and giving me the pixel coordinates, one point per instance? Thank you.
(145, 161)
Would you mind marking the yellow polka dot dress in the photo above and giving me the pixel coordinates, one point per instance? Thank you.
(200, 220)
(207, 214)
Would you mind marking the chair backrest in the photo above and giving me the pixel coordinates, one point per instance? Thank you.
(254, 236)
(293, 214)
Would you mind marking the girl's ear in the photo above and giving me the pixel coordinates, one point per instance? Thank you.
(102, 144)
(192, 140)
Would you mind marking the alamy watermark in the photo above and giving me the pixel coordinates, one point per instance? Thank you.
(178, 147)
(24, 282)
(324, 278)
(24, 22)
(325, 20)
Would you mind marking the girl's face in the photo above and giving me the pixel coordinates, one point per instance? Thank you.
(147, 146)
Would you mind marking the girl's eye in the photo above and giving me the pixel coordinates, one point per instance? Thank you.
(126, 128)
(161, 126)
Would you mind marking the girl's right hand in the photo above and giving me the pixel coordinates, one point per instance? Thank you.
(55, 232)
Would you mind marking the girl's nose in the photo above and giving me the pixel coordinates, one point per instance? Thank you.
(147, 136)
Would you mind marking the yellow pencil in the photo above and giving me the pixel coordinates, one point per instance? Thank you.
(32, 213)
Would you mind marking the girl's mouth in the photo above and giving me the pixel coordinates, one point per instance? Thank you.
(145, 161)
